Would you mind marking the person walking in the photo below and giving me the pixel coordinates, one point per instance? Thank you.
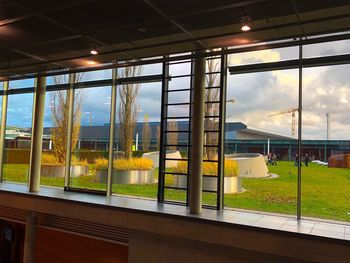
(274, 159)
(296, 163)
(306, 160)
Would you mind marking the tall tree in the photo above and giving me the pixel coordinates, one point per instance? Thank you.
(211, 109)
(146, 134)
(59, 106)
(128, 110)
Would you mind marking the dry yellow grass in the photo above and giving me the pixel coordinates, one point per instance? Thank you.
(50, 159)
(231, 168)
(126, 164)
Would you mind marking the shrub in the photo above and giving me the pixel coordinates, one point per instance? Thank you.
(126, 164)
(50, 159)
(77, 161)
(231, 168)
(101, 163)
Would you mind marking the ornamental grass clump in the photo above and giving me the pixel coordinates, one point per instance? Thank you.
(50, 159)
(231, 168)
(125, 164)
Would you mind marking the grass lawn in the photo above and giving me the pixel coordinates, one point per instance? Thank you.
(325, 191)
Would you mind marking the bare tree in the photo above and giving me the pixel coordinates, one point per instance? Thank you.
(128, 111)
(59, 105)
(172, 136)
(211, 109)
(146, 134)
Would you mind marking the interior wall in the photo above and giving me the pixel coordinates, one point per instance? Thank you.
(57, 247)
(150, 248)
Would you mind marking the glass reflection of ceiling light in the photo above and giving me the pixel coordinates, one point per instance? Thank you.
(246, 22)
(90, 62)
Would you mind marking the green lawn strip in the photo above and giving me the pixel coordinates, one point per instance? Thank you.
(325, 191)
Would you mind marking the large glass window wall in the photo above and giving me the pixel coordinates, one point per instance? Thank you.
(261, 132)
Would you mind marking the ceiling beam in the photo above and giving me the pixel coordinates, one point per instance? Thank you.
(183, 41)
(77, 2)
(221, 7)
(176, 24)
(257, 47)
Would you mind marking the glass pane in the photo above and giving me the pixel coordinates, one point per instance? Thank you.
(340, 47)
(54, 139)
(18, 137)
(177, 69)
(21, 83)
(90, 138)
(326, 143)
(59, 79)
(136, 156)
(96, 75)
(262, 56)
(261, 141)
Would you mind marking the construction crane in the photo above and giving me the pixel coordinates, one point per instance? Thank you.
(292, 111)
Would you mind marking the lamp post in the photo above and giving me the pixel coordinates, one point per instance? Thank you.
(91, 116)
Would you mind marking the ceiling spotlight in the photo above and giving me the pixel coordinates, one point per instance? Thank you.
(246, 22)
(141, 29)
(93, 51)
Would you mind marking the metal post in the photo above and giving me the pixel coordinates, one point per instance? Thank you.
(197, 136)
(3, 128)
(222, 119)
(163, 128)
(37, 134)
(268, 146)
(328, 127)
(112, 132)
(30, 238)
(137, 141)
(70, 97)
(299, 128)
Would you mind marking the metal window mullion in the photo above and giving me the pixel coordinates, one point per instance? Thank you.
(189, 149)
(112, 131)
(300, 104)
(70, 94)
(3, 128)
(163, 134)
(222, 119)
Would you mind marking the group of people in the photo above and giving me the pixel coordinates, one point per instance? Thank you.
(271, 159)
(306, 160)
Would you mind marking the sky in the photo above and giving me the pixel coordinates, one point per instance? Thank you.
(256, 95)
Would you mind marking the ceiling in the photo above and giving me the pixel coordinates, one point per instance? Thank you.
(40, 36)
